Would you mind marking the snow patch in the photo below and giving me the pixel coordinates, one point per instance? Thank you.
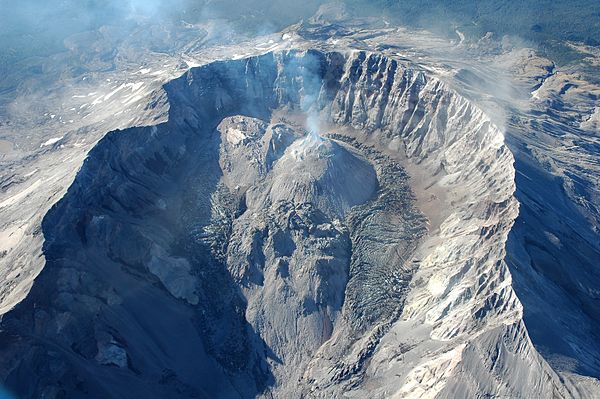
(51, 141)
(20, 196)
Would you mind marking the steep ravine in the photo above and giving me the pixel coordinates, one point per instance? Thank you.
(233, 251)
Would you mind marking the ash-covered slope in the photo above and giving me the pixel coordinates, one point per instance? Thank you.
(229, 253)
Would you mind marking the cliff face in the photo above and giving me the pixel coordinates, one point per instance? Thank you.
(268, 240)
